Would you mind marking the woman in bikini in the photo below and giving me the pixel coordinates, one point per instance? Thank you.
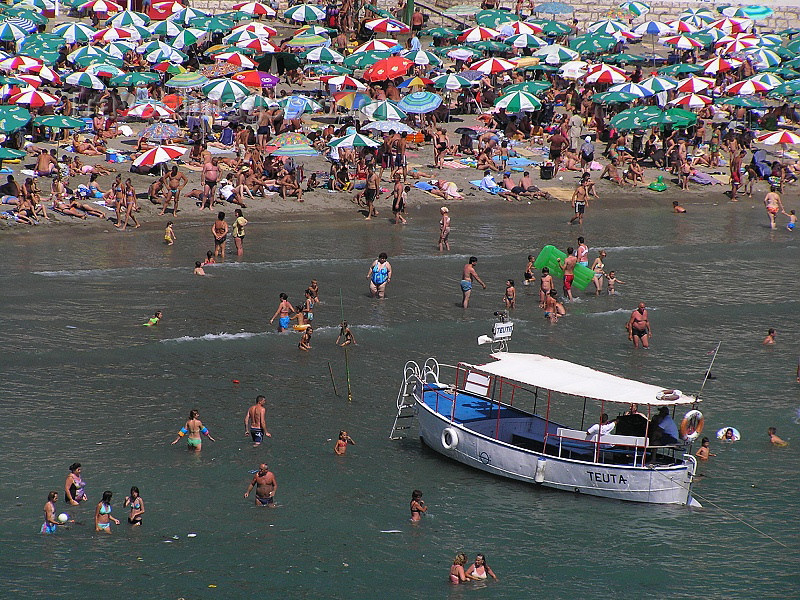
(128, 203)
(479, 570)
(457, 574)
(102, 514)
(598, 268)
(57, 193)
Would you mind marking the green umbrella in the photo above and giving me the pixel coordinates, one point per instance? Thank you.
(495, 18)
(613, 98)
(625, 59)
(362, 60)
(790, 88)
(188, 80)
(305, 13)
(322, 54)
(593, 43)
(704, 38)
(789, 32)
(135, 78)
(490, 46)
(541, 67)
(75, 32)
(642, 117)
(187, 37)
(783, 73)
(168, 28)
(4, 80)
(793, 46)
(552, 28)
(26, 13)
(58, 122)
(213, 23)
(329, 69)
(13, 117)
(518, 102)
(236, 15)
(745, 101)
(87, 60)
(50, 57)
(680, 68)
(11, 154)
(441, 32)
(532, 87)
(461, 10)
(225, 90)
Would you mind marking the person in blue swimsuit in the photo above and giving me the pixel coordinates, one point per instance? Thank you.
(102, 514)
(379, 274)
(50, 524)
(283, 313)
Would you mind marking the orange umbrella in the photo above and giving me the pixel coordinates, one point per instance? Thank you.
(388, 68)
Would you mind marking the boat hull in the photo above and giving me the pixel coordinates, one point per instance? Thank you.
(657, 485)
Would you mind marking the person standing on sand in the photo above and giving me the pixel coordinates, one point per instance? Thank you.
(210, 177)
(569, 271)
(580, 198)
(468, 276)
(639, 327)
(773, 204)
(175, 181)
(371, 193)
(255, 421)
(220, 232)
(266, 486)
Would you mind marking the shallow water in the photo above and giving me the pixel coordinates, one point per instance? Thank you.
(85, 382)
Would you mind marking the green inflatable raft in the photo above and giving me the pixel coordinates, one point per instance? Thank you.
(549, 256)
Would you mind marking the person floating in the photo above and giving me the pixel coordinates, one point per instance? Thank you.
(772, 432)
(154, 320)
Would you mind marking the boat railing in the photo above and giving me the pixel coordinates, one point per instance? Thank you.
(606, 448)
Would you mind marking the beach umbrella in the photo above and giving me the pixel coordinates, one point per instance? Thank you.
(172, 55)
(747, 87)
(492, 65)
(384, 110)
(213, 23)
(763, 57)
(652, 28)
(517, 102)
(169, 8)
(304, 13)
(441, 32)
(255, 9)
(415, 82)
(26, 12)
(495, 19)
(126, 18)
(603, 73)
(379, 45)
(187, 81)
(235, 58)
(592, 43)
(633, 89)
(477, 34)
(691, 101)
(258, 45)
(119, 48)
(659, 84)
(309, 29)
(697, 16)
(351, 100)
(185, 15)
(554, 8)
(387, 126)
(490, 46)
(613, 98)
(13, 118)
(747, 12)
(635, 8)
(168, 67)
(259, 29)
(783, 72)
(100, 6)
(290, 138)
(678, 26)
(679, 69)
(159, 155)
(607, 26)
(58, 122)
(344, 82)
(625, 59)
(354, 140)
(322, 54)
(294, 150)
(160, 131)
(555, 54)
(388, 68)
(451, 82)
(34, 99)
(574, 69)
(254, 101)
(460, 10)
(778, 137)
(769, 39)
(167, 28)
(738, 46)
(16, 63)
(420, 102)
(768, 80)
(694, 84)
(85, 80)
(387, 26)
(519, 27)
(743, 101)
(148, 47)
(464, 53)
(420, 57)
(550, 28)
(11, 33)
(720, 64)
(225, 90)
(682, 42)
(532, 87)
(788, 88)
(44, 72)
(243, 36)
(75, 32)
(110, 34)
(307, 41)
(525, 40)
(328, 69)
(296, 105)
(256, 79)
(148, 110)
(33, 81)
(732, 25)
(187, 37)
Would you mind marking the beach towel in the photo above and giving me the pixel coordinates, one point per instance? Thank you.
(425, 186)
(493, 191)
(704, 179)
(449, 164)
(519, 162)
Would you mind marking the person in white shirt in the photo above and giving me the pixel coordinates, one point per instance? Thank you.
(605, 427)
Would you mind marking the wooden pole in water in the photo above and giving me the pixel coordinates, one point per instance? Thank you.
(346, 360)
(333, 381)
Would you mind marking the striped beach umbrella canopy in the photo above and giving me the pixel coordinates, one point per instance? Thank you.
(387, 126)
(305, 40)
(463, 53)
(613, 98)
(720, 64)
(441, 32)
(111, 34)
(160, 131)
(763, 57)
(294, 150)
(634, 89)
(769, 40)
(555, 54)
(256, 79)
(692, 101)
(185, 15)
(754, 13)
(700, 17)
(213, 23)
(255, 9)
(477, 34)
(460, 10)
(748, 87)
(678, 26)
(289, 138)
(451, 82)
(16, 63)
(387, 26)
(652, 28)
(85, 80)
(351, 100)
(33, 81)
(168, 7)
(297, 104)
(34, 99)
(26, 12)
(254, 101)
(166, 27)
(420, 102)
(75, 32)
(235, 58)
(342, 82)
(635, 8)
(532, 87)
(187, 80)
(517, 102)
(310, 29)
(171, 55)
(260, 44)
(259, 29)
(603, 73)
(525, 27)
(100, 6)
(11, 33)
(323, 54)
(93, 52)
(26, 25)
(525, 40)
(490, 66)
(607, 26)
(549, 27)
(105, 70)
(127, 18)
(149, 110)
(658, 84)
(421, 57)
(694, 85)
(732, 25)
(682, 42)
(119, 48)
(242, 36)
(328, 69)
(159, 155)
(768, 80)
(778, 137)
(188, 36)
(354, 140)
(225, 90)
(384, 110)
(304, 13)
(379, 45)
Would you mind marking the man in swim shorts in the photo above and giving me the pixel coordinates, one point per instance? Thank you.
(255, 421)
(568, 265)
(468, 276)
(266, 486)
(639, 327)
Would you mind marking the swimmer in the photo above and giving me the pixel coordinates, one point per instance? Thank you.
(137, 507)
(209, 259)
(305, 341)
(194, 427)
(772, 432)
(154, 320)
(283, 312)
(255, 421)
(704, 451)
(265, 484)
(479, 570)
(770, 339)
(347, 336)
(677, 208)
(169, 234)
(341, 444)
(510, 297)
(729, 436)
(417, 505)
(102, 514)
(198, 268)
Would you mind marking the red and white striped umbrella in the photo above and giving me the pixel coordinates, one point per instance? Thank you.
(381, 45)
(34, 99)
(159, 155)
(149, 110)
(254, 8)
(727, 39)
(32, 80)
(259, 45)
(16, 63)
(779, 137)
(344, 82)
(520, 27)
(692, 101)
(679, 26)
(748, 87)
(44, 72)
(732, 25)
(492, 65)
(692, 85)
(168, 7)
(387, 26)
(259, 29)
(477, 34)
(101, 6)
(739, 45)
(112, 34)
(681, 42)
(603, 73)
(234, 58)
(719, 64)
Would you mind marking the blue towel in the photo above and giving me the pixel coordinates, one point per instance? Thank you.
(477, 184)
(425, 186)
(519, 162)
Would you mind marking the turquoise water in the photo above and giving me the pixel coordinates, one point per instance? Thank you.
(85, 382)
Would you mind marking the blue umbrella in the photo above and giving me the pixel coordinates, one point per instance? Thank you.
(420, 102)
(554, 8)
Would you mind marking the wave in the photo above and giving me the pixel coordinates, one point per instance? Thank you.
(244, 335)
(623, 248)
(609, 312)
(103, 272)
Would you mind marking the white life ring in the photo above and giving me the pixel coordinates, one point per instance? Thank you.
(692, 425)
(449, 438)
(735, 435)
(669, 395)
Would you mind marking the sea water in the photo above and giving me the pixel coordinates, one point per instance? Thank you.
(84, 381)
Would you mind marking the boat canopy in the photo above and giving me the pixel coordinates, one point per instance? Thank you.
(568, 378)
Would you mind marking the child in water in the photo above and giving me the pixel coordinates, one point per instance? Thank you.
(154, 320)
(612, 281)
(704, 451)
(169, 234)
(510, 298)
(305, 341)
(341, 444)
(417, 505)
(529, 276)
(314, 289)
(345, 335)
(198, 268)
(209, 259)
(772, 432)
(792, 221)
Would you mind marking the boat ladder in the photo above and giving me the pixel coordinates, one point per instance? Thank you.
(406, 402)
